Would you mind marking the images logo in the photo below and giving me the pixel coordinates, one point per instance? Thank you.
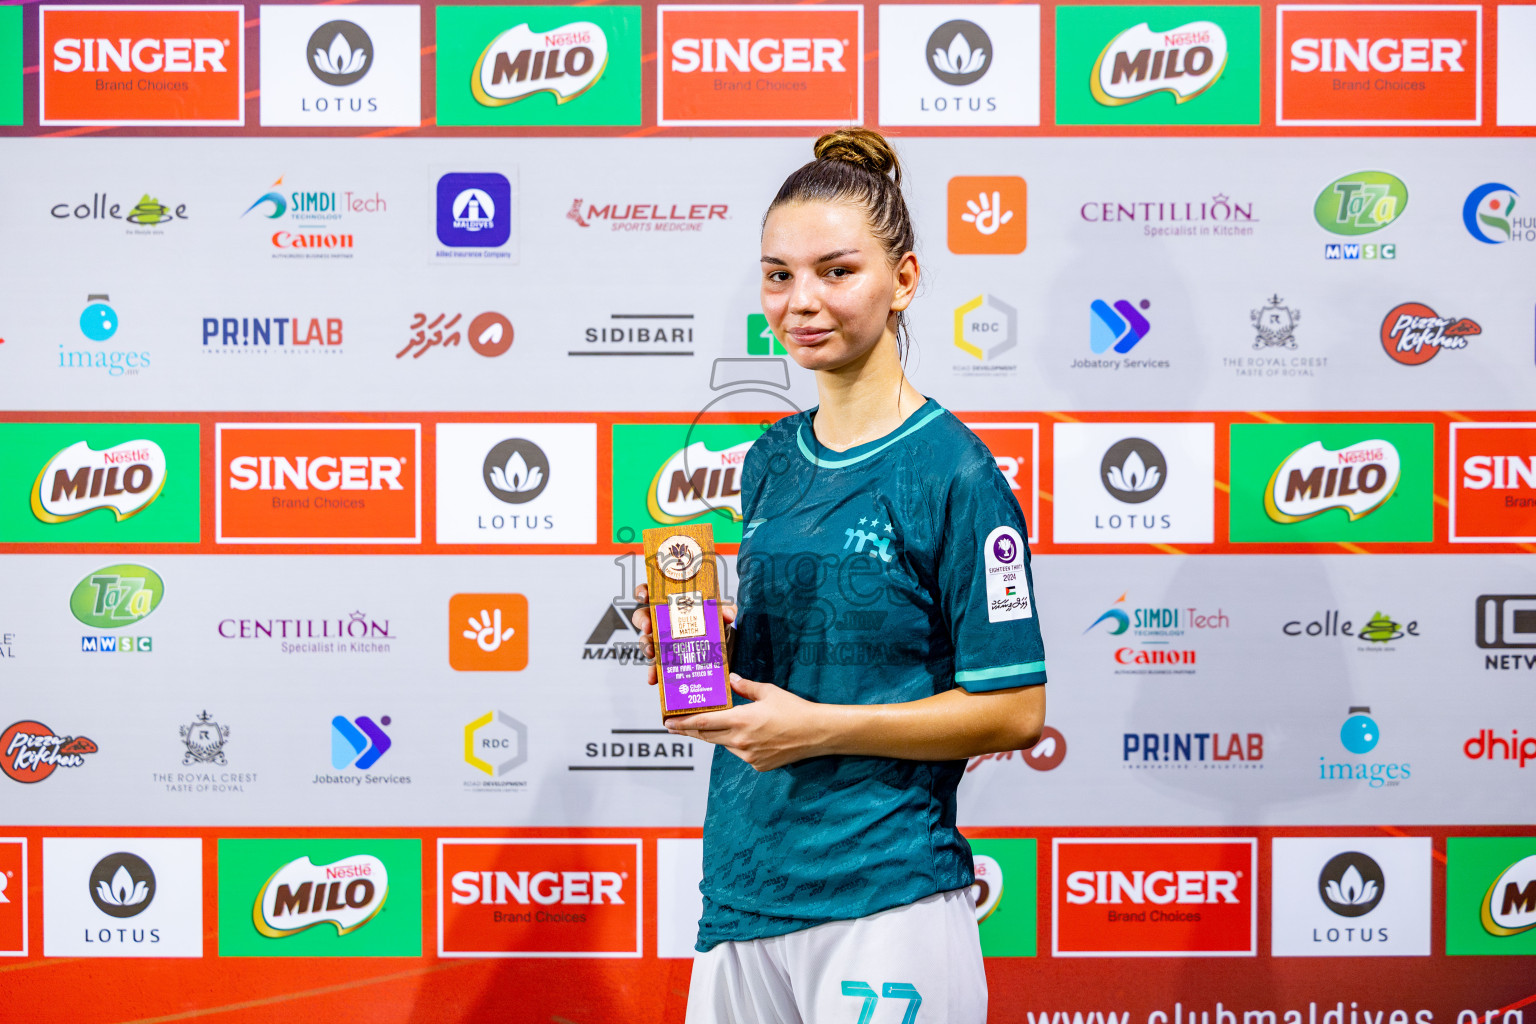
(467, 206)
(1488, 214)
(1120, 327)
(1360, 203)
(358, 743)
(1184, 62)
(1359, 735)
(125, 478)
(988, 215)
(1378, 64)
(1493, 482)
(29, 751)
(495, 743)
(142, 65)
(122, 885)
(1413, 334)
(98, 321)
(1490, 900)
(488, 632)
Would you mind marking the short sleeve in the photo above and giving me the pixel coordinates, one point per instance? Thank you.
(986, 589)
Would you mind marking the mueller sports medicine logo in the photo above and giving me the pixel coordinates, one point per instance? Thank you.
(318, 483)
(1493, 482)
(125, 478)
(1313, 479)
(564, 62)
(664, 216)
(300, 895)
(30, 751)
(1183, 61)
(1154, 897)
(1378, 64)
(142, 65)
(539, 897)
(764, 65)
(1413, 334)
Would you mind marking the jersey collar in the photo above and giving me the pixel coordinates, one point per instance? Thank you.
(826, 458)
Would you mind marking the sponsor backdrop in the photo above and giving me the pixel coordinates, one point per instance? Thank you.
(347, 350)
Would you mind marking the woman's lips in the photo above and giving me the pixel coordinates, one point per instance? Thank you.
(809, 335)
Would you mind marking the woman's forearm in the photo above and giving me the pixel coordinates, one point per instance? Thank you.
(947, 726)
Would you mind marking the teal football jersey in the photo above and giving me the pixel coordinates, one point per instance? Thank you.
(883, 574)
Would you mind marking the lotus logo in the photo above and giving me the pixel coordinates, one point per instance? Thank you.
(122, 885)
(1133, 470)
(1312, 480)
(1139, 62)
(519, 63)
(959, 52)
(125, 478)
(301, 894)
(1509, 908)
(516, 471)
(339, 53)
(1351, 884)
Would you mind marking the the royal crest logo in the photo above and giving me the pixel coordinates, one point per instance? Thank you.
(1137, 63)
(125, 478)
(301, 895)
(30, 751)
(697, 480)
(564, 62)
(1274, 325)
(1413, 334)
(1314, 479)
(204, 739)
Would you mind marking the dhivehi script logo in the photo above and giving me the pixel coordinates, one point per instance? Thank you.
(1138, 63)
(1509, 908)
(519, 63)
(125, 478)
(300, 895)
(1313, 479)
(695, 481)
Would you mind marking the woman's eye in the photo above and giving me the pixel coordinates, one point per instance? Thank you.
(839, 272)
(778, 276)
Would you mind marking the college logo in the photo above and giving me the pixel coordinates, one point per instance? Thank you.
(959, 65)
(1134, 482)
(488, 335)
(988, 215)
(29, 751)
(13, 897)
(539, 897)
(318, 483)
(122, 897)
(474, 210)
(1360, 203)
(768, 64)
(1379, 631)
(1300, 482)
(534, 65)
(488, 632)
(516, 483)
(1490, 896)
(1493, 482)
(1157, 65)
(1154, 897)
(1488, 214)
(1413, 334)
(142, 65)
(146, 216)
(124, 479)
(1350, 897)
(1378, 64)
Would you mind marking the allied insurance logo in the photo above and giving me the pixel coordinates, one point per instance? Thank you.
(1154, 897)
(765, 64)
(295, 483)
(144, 65)
(539, 898)
(1378, 64)
(1493, 482)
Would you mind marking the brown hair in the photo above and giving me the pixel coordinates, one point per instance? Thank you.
(859, 167)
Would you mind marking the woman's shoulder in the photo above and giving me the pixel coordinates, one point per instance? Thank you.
(964, 457)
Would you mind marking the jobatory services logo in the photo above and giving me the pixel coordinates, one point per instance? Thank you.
(1359, 736)
(665, 474)
(1317, 482)
(1137, 65)
(539, 898)
(986, 327)
(516, 483)
(311, 224)
(30, 751)
(1413, 333)
(494, 745)
(1360, 203)
(1493, 482)
(1114, 329)
(1490, 896)
(1154, 897)
(320, 897)
(961, 64)
(327, 483)
(13, 897)
(1181, 751)
(765, 64)
(1155, 640)
(142, 65)
(321, 67)
(264, 335)
(988, 215)
(99, 482)
(1366, 896)
(10, 98)
(476, 215)
(488, 632)
(130, 897)
(115, 597)
(1378, 64)
(487, 334)
(358, 742)
(1120, 483)
(1489, 215)
(538, 65)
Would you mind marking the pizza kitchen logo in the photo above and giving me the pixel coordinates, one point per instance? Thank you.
(30, 751)
(1413, 333)
(1137, 63)
(125, 478)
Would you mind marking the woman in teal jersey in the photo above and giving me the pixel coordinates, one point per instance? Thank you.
(886, 632)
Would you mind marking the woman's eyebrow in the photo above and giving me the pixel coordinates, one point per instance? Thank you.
(838, 254)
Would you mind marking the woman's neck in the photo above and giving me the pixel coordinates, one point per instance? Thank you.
(865, 399)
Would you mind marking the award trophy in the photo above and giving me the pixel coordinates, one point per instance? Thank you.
(684, 598)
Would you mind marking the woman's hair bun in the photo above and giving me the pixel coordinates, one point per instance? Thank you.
(861, 147)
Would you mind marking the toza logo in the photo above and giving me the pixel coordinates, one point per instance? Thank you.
(125, 478)
(347, 893)
(340, 53)
(118, 595)
(1139, 62)
(1360, 203)
(1312, 480)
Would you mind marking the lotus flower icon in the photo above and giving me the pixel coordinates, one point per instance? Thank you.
(122, 885)
(1351, 889)
(1133, 475)
(1133, 470)
(516, 476)
(959, 52)
(1351, 884)
(339, 52)
(515, 471)
(340, 58)
(123, 891)
(960, 59)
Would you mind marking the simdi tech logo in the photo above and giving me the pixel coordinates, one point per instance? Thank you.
(960, 64)
(1493, 482)
(766, 64)
(321, 67)
(1490, 896)
(319, 897)
(142, 65)
(326, 483)
(1378, 64)
(538, 65)
(99, 483)
(1157, 65)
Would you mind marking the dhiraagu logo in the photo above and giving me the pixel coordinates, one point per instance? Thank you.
(665, 474)
(319, 897)
(1360, 203)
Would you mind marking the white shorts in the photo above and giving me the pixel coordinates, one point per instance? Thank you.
(915, 964)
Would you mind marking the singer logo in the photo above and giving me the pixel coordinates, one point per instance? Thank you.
(13, 897)
(1154, 897)
(1379, 65)
(318, 483)
(142, 65)
(760, 65)
(1493, 482)
(539, 897)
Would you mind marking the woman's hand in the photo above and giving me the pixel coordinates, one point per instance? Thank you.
(642, 622)
(776, 729)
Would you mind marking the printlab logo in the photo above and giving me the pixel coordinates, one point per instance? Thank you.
(1488, 214)
(339, 53)
(249, 335)
(204, 739)
(358, 742)
(30, 751)
(516, 471)
(474, 211)
(1351, 884)
(1133, 470)
(488, 632)
(988, 215)
(1174, 751)
(1413, 334)
(122, 885)
(1357, 204)
(488, 335)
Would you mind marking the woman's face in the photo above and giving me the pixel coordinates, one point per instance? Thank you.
(828, 290)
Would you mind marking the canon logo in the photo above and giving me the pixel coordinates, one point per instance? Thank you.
(1407, 55)
(147, 55)
(762, 55)
(321, 473)
(491, 888)
(1161, 887)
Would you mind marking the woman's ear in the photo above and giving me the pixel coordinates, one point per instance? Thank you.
(907, 274)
